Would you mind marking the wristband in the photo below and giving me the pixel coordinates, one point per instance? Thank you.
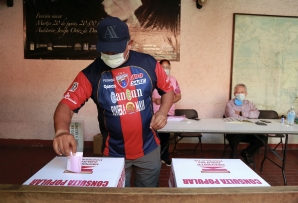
(61, 133)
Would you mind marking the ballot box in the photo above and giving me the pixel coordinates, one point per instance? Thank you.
(95, 172)
(206, 173)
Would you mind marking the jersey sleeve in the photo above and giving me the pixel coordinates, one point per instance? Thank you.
(163, 81)
(77, 93)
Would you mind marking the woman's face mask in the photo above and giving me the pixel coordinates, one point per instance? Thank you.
(167, 71)
(166, 67)
(115, 60)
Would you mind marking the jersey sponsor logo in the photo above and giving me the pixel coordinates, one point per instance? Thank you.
(122, 80)
(128, 108)
(67, 96)
(109, 86)
(74, 86)
(108, 80)
(138, 82)
(127, 95)
(113, 97)
(136, 76)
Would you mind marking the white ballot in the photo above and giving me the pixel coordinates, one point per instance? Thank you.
(74, 163)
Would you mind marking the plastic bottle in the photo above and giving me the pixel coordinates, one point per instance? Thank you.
(291, 115)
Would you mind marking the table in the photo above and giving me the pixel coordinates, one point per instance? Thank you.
(219, 126)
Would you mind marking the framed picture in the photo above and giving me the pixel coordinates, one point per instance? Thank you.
(265, 59)
(67, 29)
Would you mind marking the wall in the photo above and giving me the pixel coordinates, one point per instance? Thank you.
(31, 89)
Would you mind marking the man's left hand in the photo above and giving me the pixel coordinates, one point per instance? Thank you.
(158, 121)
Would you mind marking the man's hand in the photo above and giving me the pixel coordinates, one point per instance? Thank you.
(158, 121)
(238, 112)
(65, 143)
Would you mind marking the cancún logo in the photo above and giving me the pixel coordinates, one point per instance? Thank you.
(122, 80)
(127, 95)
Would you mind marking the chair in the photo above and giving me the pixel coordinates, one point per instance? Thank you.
(190, 114)
(271, 114)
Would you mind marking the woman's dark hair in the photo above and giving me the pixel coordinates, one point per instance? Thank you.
(164, 60)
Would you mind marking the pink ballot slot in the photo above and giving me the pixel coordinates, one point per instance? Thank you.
(74, 163)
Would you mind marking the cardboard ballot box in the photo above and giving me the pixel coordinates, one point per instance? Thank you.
(195, 173)
(96, 172)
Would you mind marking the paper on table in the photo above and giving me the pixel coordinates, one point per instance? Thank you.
(236, 120)
(176, 118)
(74, 163)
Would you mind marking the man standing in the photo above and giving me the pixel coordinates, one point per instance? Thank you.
(241, 108)
(121, 83)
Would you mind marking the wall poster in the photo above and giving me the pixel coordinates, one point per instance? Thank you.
(265, 59)
(66, 29)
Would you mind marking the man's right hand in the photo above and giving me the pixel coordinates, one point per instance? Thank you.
(65, 143)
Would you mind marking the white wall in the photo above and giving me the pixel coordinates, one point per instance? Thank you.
(31, 89)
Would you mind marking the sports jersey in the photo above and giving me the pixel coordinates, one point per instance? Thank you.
(176, 91)
(123, 99)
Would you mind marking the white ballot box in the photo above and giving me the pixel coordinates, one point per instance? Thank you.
(206, 173)
(95, 172)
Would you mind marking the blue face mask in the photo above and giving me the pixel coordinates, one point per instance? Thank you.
(238, 102)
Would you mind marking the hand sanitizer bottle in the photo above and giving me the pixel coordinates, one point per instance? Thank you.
(291, 115)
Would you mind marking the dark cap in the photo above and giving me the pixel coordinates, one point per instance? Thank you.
(113, 35)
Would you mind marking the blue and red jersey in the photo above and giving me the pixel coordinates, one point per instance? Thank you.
(123, 99)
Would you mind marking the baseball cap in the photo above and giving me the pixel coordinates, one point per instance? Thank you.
(113, 35)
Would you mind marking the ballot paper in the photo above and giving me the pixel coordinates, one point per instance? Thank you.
(74, 163)
(176, 118)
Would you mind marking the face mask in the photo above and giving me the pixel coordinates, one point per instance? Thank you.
(240, 97)
(113, 60)
(238, 102)
(167, 72)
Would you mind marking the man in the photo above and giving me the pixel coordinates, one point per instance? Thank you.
(164, 137)
(121, 83)
(241, 108)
